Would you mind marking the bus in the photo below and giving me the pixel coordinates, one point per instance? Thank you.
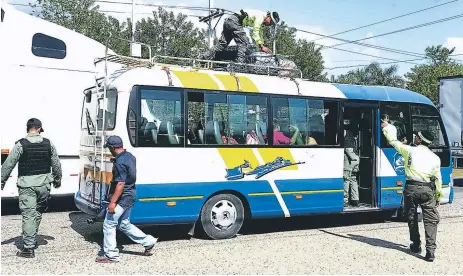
(43, 70)
(215, 147)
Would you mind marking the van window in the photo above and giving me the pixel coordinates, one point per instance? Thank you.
(47, 46)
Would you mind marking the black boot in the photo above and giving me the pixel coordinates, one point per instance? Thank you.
(415, 248)
(355, 203)
(26, 253)
(429, 256)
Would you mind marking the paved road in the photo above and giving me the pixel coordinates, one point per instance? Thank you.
(311, 245)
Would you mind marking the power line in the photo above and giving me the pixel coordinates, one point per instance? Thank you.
(155, 5)
(402, 30)
(367, 45)
(386, 20)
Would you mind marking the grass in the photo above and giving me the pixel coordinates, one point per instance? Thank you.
(457, 172)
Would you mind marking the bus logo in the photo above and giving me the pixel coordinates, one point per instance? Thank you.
(237, 172)
(399, 162)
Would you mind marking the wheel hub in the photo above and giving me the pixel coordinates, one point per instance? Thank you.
(223, 215)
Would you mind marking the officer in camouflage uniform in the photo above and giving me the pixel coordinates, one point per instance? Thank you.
(351, 163)
(423, 186)
(36, 155)
(233, 29)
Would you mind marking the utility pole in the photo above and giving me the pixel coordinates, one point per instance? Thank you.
(211, 40)
(133, 21)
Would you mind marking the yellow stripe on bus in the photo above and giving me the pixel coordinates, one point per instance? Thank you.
(196, 80)
(229, 83)
(234, 157)
(169, 198)
(298, 192)
(270, 154)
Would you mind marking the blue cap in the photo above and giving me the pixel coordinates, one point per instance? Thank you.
(113, 142)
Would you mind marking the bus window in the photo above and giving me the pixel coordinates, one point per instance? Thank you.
(427, 118)
(256, 119)
(161, 118)
(398, 114)
(303, 122)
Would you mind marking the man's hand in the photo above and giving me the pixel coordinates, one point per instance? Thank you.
(112, 208)
(3, 185)
(438, 203)
(384, 124)
(56, 184)
(264, 49)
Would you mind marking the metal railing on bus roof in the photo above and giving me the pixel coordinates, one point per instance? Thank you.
(198, 64)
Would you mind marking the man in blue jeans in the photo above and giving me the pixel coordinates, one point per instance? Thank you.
(122, 196)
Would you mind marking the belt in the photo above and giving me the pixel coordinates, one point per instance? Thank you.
(417, 183)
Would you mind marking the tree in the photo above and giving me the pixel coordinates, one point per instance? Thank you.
(424, 78)
(305, 55)
(372, 74)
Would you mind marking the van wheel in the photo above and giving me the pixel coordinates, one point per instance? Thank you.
(222, 216)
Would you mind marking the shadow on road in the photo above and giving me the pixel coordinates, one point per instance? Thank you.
(377, 242)
(18, 241)
(10, 206)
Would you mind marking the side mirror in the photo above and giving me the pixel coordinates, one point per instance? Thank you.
(88, 96)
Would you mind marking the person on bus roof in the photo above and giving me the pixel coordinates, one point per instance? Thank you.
(122, 195)
(38, 168)
(233, 29)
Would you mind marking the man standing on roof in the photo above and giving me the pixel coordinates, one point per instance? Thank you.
(233, 28)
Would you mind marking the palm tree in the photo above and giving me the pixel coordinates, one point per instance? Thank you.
(373, 74)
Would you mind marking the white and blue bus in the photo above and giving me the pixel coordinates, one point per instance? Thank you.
(214, 148)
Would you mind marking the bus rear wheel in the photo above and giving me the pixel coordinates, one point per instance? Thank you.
(222, 216)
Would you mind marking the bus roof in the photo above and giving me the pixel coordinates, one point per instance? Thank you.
(124, 80)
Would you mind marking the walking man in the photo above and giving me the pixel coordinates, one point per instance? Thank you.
(233, 28)
(122, 196)
(36, 155)
(423, 186)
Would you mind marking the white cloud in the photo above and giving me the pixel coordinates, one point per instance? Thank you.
(456, 42)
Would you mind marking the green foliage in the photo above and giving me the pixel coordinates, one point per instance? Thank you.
(424, 78)
(372, 74)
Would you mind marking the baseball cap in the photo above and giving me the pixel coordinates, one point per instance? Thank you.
(34, 122)
(114, 142)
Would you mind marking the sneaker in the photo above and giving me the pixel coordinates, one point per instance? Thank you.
(415, 248)
(26, 253)
(429, 256)
(149, 248)
(104, 259)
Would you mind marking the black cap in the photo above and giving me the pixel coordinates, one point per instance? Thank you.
(34, 122)
(426, 136)
(275, 17)
(113, 142)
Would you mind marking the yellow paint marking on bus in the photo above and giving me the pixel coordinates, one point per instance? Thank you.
(270, 154)
(391, 188)
(298, 192)
(169, 198)
(196, 80)
(228, 81)
(247, 85)
(234, 157)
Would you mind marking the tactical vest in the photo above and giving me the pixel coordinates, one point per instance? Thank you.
(349, 141)
(35, 159)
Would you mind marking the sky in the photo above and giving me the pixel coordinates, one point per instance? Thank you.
(329, 17)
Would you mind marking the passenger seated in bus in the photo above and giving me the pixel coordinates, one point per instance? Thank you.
(309, 140)
(279, 138)
(227, 137)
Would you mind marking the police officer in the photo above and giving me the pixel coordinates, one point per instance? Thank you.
(36, 155)
(423, 186)
(233, 29)
(351, 163)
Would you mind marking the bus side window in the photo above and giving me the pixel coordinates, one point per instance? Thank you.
(160, 118)
(398, 115)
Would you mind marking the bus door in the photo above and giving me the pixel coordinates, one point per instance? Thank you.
(391, 167)
(360, 136)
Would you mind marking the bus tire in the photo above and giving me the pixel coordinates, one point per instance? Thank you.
(222, 216)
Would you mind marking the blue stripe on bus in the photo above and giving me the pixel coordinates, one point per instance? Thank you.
(312, 196)
(151, 205)
(381, 93)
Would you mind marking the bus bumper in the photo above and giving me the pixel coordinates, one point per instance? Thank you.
(88, 207)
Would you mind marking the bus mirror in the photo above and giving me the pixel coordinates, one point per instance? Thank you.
(88, 96)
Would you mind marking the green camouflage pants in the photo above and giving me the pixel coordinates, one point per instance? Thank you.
(33, 201)
(351, 168)
(423, 196)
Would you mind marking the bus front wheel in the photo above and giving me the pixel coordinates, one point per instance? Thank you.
(222, 216)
